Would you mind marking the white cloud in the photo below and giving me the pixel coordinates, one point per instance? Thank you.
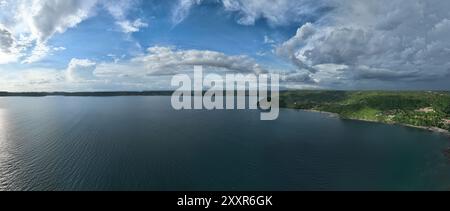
(80, 70)
(268, 40)
(289, 48)
(39, 52)
(279, 12)
(6, 40)
(31, 23)
(182, 9)
(131, 27)
(120, 10)
(9, 49)
(152, 70)
(385, 40)
(3, 3)
(8, 57)
(61, 48)
(35, 79)
(48, 17)
(42, 77)
(298, 77)
(159, 59)
(166, 61)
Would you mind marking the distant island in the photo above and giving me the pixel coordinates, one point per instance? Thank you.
(86, 94)
(427, 110)
(422, 109)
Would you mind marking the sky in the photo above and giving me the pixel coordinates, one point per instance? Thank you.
(135, 45)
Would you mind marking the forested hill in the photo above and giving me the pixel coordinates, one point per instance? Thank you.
(425, 109)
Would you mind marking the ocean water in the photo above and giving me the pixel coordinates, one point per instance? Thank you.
(141, 143)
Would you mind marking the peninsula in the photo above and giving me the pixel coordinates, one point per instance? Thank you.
(422, 109)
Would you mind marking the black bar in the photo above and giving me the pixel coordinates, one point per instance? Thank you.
(279, 200)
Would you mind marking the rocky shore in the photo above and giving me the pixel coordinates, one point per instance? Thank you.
(431, 129)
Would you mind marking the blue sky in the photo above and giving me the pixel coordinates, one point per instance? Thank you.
(99, 36)
(87, 45)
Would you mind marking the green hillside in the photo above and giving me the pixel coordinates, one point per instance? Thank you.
(427, 109)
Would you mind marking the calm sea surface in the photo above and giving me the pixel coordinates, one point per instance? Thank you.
(140, 143)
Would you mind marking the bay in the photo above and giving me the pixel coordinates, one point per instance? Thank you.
(141, 143)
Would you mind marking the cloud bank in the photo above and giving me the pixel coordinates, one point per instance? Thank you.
(380, 40)
(27, 25)
(151, 70)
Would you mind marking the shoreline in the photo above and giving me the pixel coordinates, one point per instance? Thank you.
(429, 129)
(330, 114)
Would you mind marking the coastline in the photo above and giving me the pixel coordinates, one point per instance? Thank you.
(429, 129)
(330, 114)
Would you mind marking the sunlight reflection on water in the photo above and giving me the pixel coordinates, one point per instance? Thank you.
(2, 129)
